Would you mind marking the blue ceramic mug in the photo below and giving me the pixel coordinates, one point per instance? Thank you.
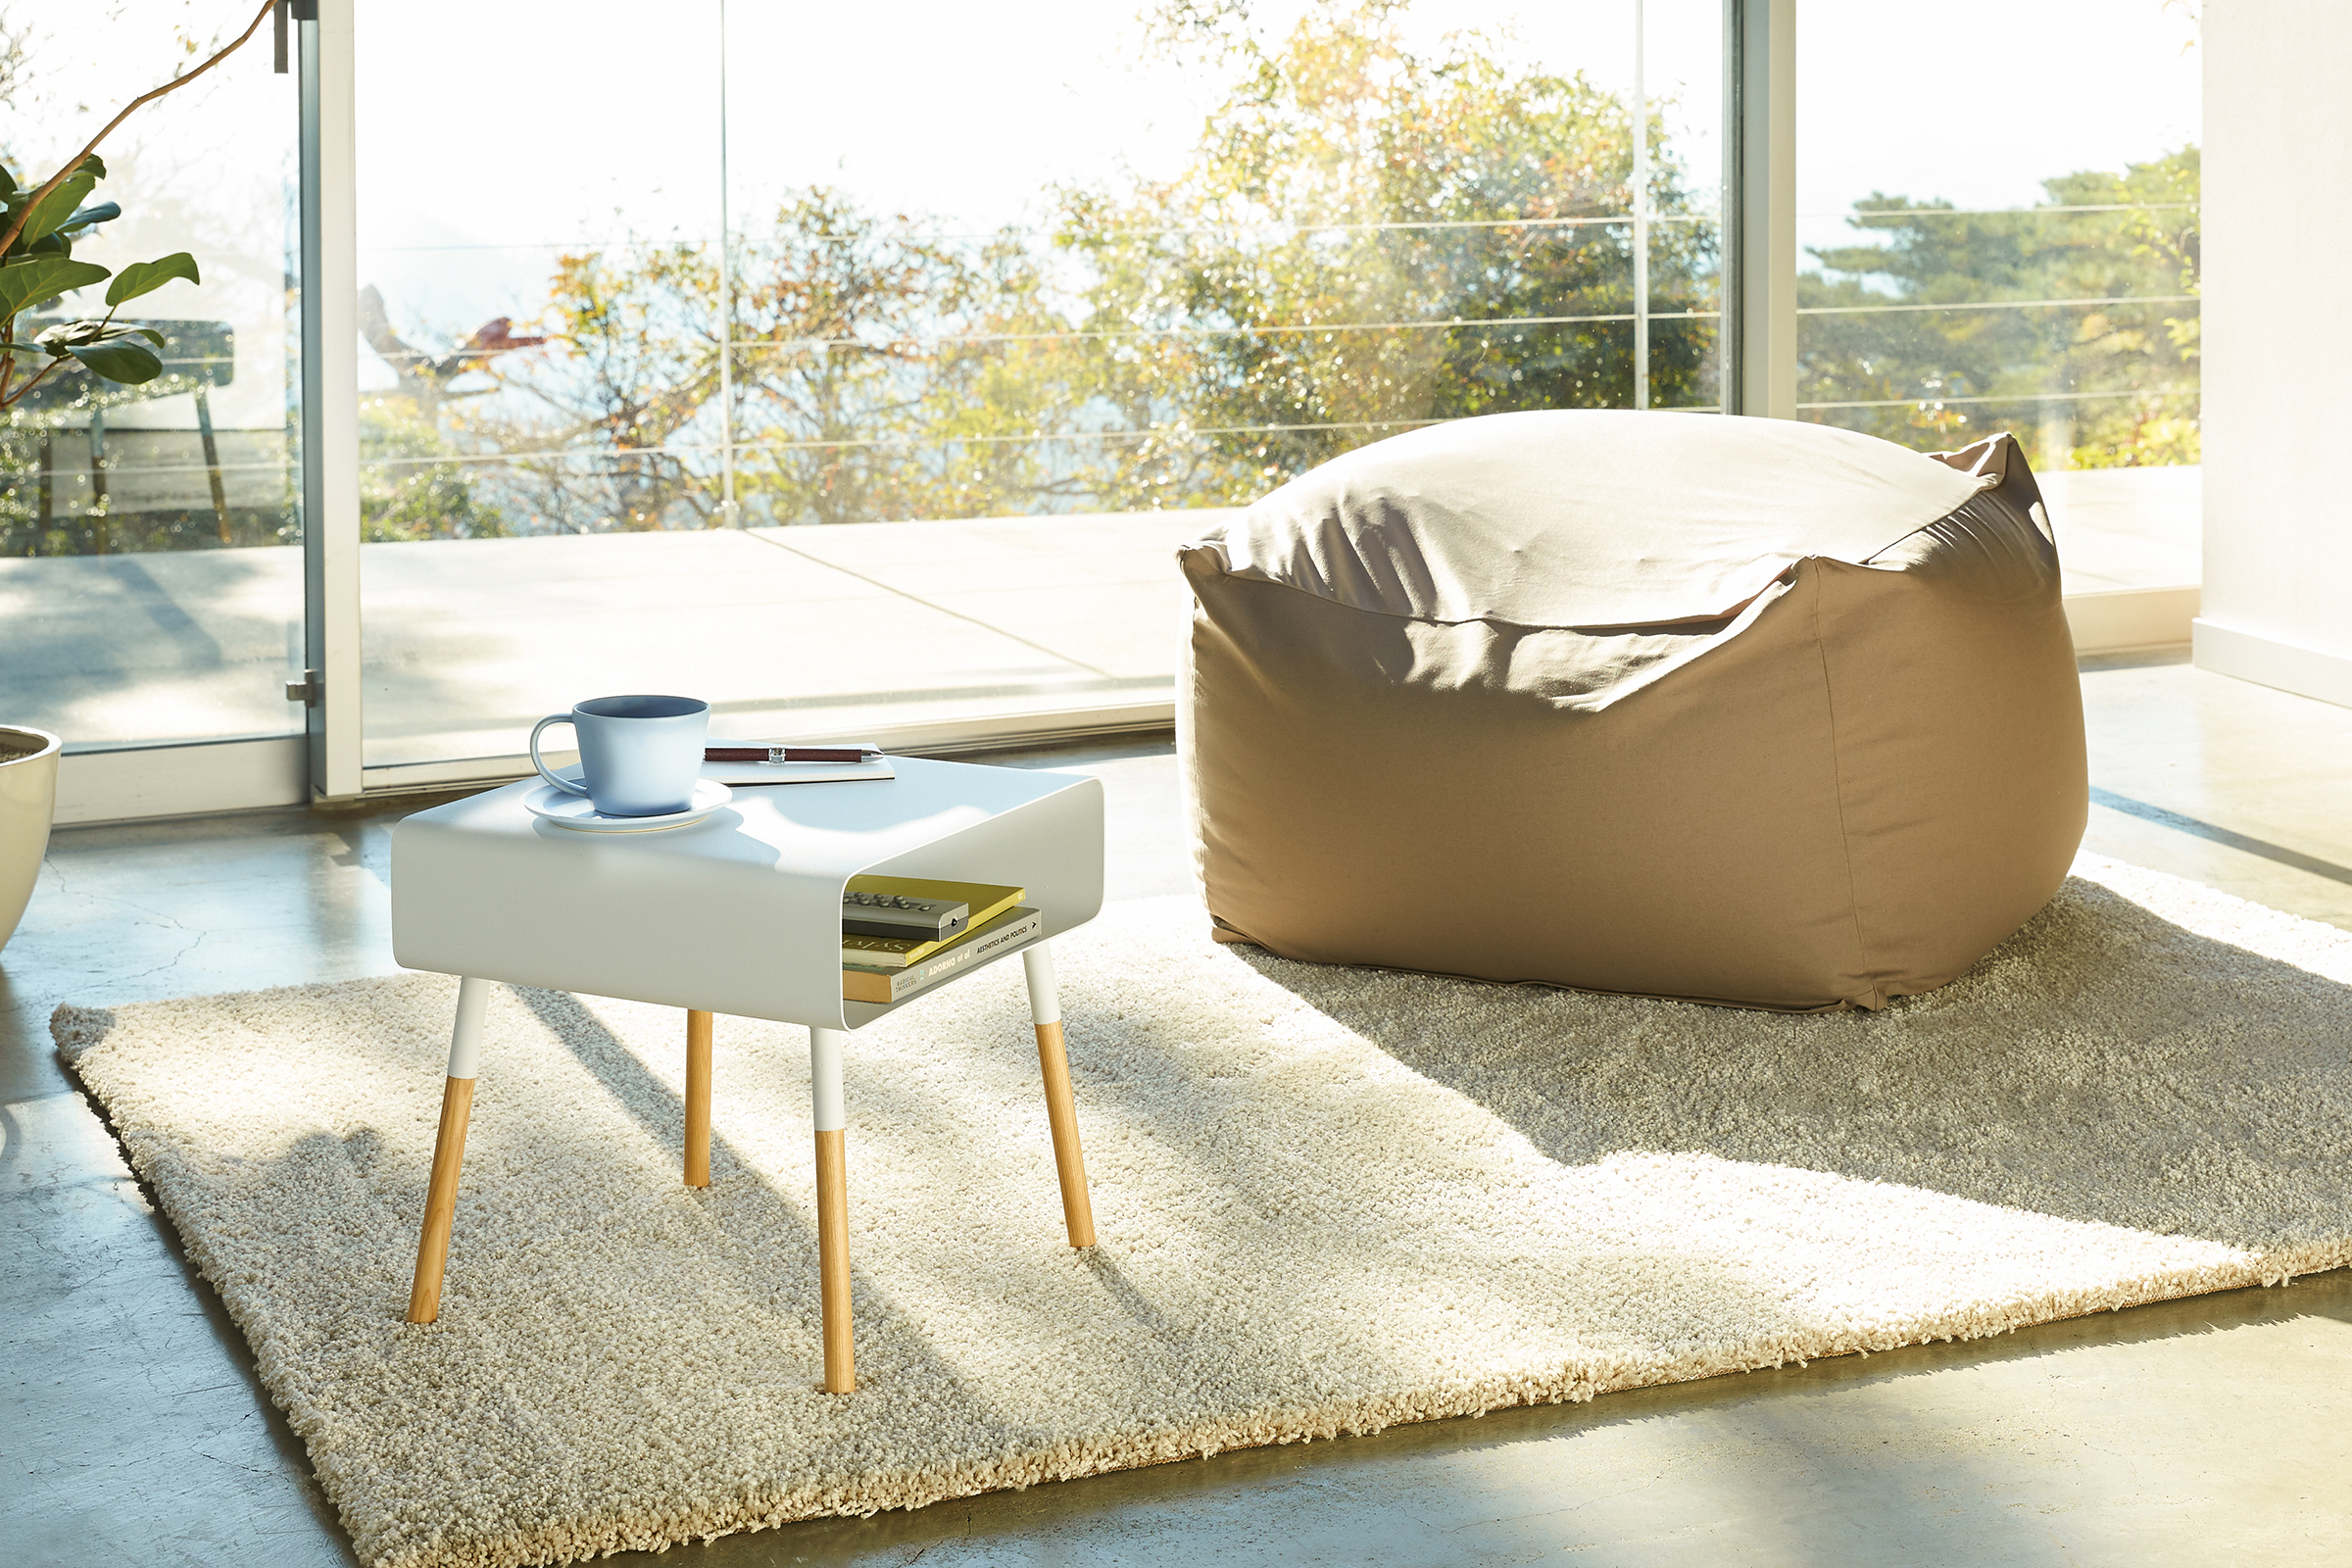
(640, 755)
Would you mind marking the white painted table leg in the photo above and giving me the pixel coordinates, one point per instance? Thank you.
(448, 1151)
(1061, 1110)
(832, 1207)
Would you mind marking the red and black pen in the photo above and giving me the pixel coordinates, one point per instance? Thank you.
(789, 753)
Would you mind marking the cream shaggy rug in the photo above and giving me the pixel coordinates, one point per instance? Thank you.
(1329, 1199)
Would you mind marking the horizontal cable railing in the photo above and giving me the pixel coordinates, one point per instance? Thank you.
(1854, 214)
(1135, 435)
(641, 242)
(707, 449)
(806, 344)
(713, 448)
(2009, 397)
(1998, 305)
(682, 448)
(117, 468)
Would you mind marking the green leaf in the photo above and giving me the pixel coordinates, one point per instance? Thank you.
(145, 277)
(110, 350)
(84, 217)
(119, 360)
(53, 210)
(28, 282)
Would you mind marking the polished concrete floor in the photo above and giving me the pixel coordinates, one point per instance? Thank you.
(2216, 1429)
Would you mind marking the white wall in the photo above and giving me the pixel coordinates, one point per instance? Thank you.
(2277, 601)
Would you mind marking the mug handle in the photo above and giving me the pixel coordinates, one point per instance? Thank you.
(546, 772)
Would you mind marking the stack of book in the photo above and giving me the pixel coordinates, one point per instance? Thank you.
(901, 935)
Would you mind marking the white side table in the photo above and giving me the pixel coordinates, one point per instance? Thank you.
(738, 913)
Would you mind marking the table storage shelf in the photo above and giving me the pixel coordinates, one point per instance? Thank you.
(740, 912)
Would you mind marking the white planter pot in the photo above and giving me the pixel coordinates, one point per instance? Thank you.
(27, 800)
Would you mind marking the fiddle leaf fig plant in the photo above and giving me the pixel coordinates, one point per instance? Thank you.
(39, 266)
(38, 229)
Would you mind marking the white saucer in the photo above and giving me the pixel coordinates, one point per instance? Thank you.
(578, 812)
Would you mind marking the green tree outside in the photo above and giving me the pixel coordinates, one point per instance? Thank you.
(2108, 381)
(1365, 239)
(1323, 272)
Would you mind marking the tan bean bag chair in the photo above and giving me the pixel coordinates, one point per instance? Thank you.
(1733, 710)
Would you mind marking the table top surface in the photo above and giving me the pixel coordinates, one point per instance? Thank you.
(819, 829)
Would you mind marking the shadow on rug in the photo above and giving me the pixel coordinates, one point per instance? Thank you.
(1330, 1200)
(2106, 1063)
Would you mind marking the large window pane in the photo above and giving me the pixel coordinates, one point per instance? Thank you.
(1002, 316)
(150, 536)
(1999, 228)
(538, 436)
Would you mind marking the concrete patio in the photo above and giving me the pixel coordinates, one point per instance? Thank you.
(466, 642)
(789, 632)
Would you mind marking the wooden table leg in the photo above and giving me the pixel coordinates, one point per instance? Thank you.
(1061, 1110)
(698, 1098)
(449, 1152)
(832, 1208)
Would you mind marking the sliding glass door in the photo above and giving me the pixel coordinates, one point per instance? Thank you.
(860, 384)
(150, 585)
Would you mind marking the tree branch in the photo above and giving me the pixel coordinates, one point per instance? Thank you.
(25, 391)
(173, 86)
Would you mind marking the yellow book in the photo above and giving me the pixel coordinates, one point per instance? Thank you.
(1013, 930)
(986, 899)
